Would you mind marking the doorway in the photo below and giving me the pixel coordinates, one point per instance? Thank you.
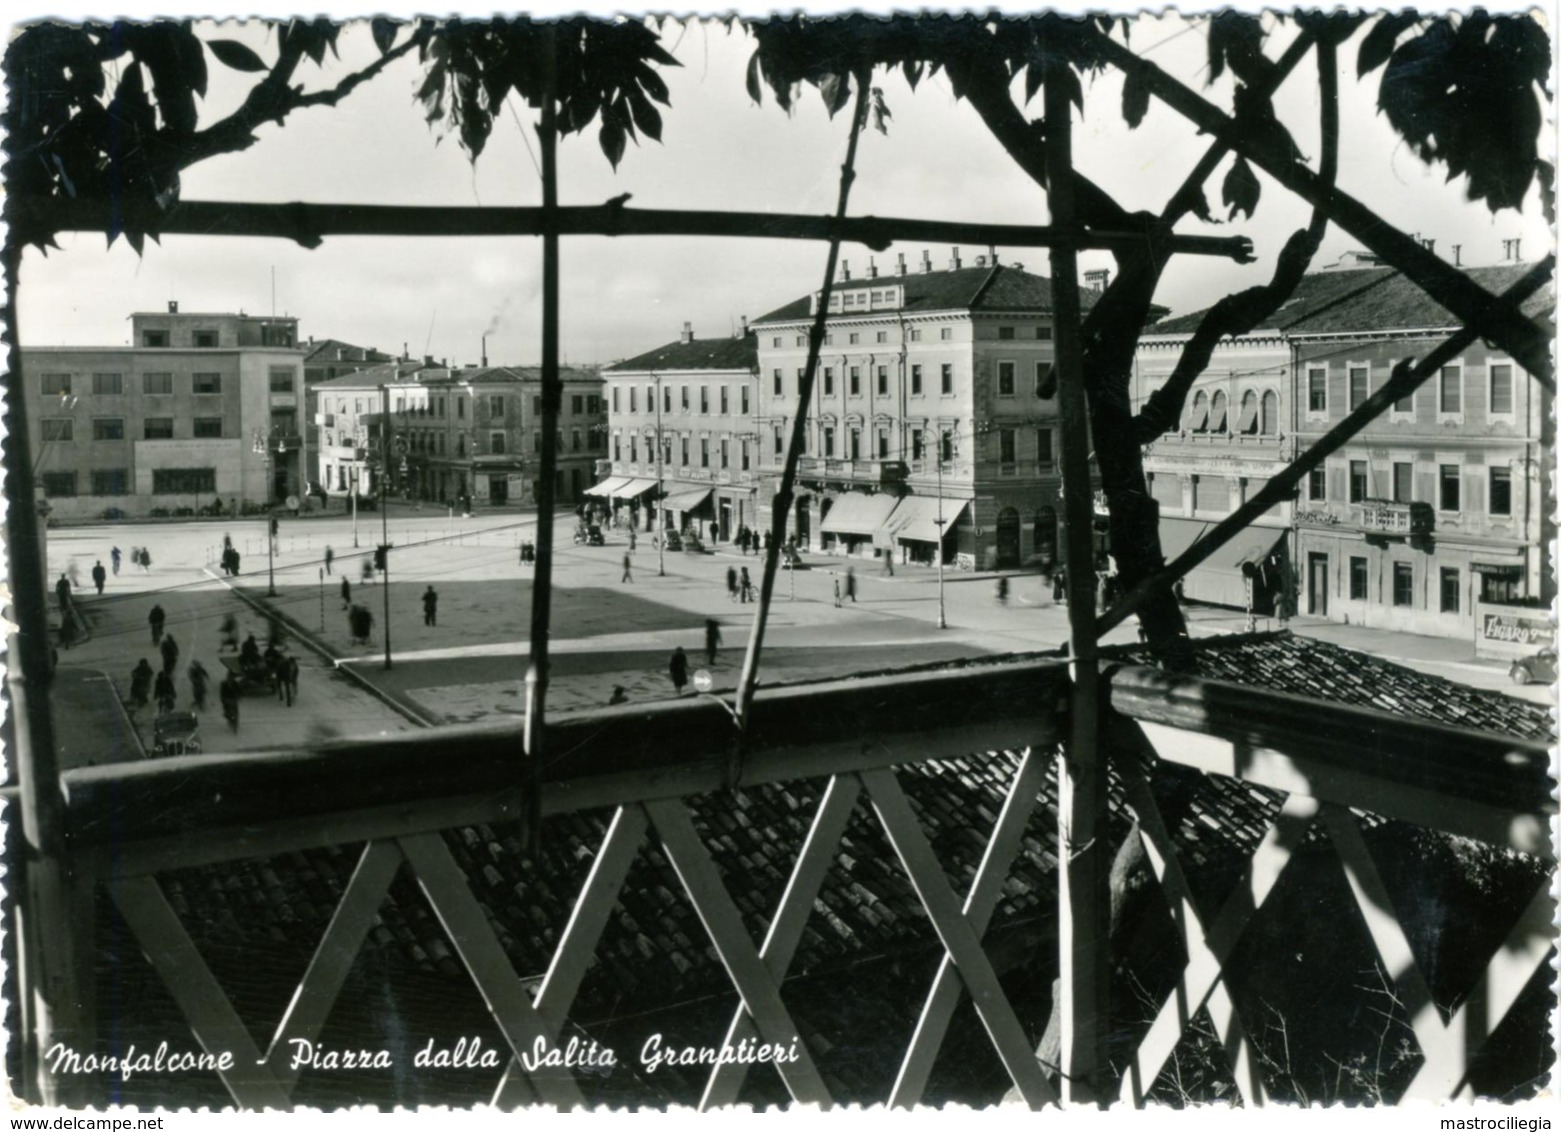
(1317, 584)
(1008, 539)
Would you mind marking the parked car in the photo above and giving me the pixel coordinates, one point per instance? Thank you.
(1537, 669)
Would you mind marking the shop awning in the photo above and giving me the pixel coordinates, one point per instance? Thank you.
(1248, 422)
(1219, 579)
(1217, 415)
(633, 489)
(686, 500)
(916, 517)
(607, 486)
(1200, 416)
(857, 513)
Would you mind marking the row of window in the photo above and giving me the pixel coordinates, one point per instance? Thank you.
(913, 334)
(1449, 390)
(63, 429)
(723, 450)
(116, 481)
(1450, 588)
(580, 404)
(1211, 415)
(1007, 380)
(822, 442)
(684, 398)
(1449, 486)
(152, 384)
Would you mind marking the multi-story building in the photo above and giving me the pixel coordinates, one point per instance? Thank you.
(933, 423)
(1434, 519)
(202, 407)
(457, 434)
(325, 359)
(681, 419)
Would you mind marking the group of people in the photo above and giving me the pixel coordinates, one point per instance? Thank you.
(230, 558)
(739, 586)
(749, 541)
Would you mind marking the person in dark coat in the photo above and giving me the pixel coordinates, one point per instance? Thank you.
(228, 693)
(62, 592)
(99, 575)
(163, 691)
(330, 556)
(229, 634)
(113, 557)
(170, 653)
(249, 654)
(731, 583)
(430, 607)
(146, 559)
(851, 582)
(361, 622)
(712, 638)
(628, 571)
(768, 539)
(678, 668)
(155, 619)
(287, 680)
(199, 682)
(140, 684)
(346, 593)
(745, 586)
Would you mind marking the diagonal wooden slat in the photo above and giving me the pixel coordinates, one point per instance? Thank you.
(333, 959)
(780, 942)
(1448, 1047)
(1007, 837)
(958, 939)
(1205, 966)
(183, 969)
(697, 872)
(1161, 850)
(572, 957)
(445, 887)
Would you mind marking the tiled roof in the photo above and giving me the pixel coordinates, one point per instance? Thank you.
(1371, 299)
(868, 934)
(390, 373)
(740, 353)
(404, 372)
(1000, 288)
(334, 350)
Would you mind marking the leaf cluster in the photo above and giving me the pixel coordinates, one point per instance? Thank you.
(601, 70)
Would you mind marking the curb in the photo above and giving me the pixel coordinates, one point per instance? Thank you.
(319, 648)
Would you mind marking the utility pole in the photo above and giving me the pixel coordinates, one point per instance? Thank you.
(943, 621)
(384, 517)
(356, 469)
(661, 534)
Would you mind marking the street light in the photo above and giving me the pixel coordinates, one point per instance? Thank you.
(263, 450)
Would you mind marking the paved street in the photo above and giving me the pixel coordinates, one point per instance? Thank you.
(605, 632)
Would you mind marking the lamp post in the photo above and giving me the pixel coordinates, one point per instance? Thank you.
(384, 517)
(661, 534)
(262, 449)
(943, 621)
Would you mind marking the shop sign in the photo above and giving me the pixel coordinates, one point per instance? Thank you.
(1516, 629)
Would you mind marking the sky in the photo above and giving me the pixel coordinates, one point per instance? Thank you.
(622, 297)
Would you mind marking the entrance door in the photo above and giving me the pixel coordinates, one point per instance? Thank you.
(803, 527)
(726, 520)
(498, 490)
(1317, 584)
(1008, 539)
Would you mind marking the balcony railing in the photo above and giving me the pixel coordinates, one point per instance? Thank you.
(1389, 517)
(1322, 764)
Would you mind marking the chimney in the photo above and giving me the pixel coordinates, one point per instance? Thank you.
(899, 264)
(845, 271)
(991, 254)
(688, 333)
(926, 261)
(1457, 255)
(428, 360)
(744, 334)
(404, 355)
(954, 260)
(484, 351)
(173, 306)
(872, 268)
(1511, 250)
(1097, 279)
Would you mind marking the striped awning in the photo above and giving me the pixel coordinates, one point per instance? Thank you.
(917, 517)
(857, 513)
(686, 500)
(633, 489)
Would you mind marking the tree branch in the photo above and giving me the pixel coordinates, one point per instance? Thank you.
(1244, 311)
(1499, 320)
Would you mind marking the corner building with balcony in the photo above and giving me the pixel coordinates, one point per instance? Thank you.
(1435, 518)
(202, 406)
(933, 425)
(693, 401)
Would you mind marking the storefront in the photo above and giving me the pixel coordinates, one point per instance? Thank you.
(688, 510)
(852, 519)
(1252, 567)
(632, 500)
(923, 525)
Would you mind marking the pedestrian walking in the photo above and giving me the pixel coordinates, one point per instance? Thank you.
(361, 622)
(628, 573)
(113, 556)
(731, 583)
(430, 607)
(228, 693)
(1060, 587)
(140, 683)
(368, 571)
(888, 562)
(287, 680)
(678, 668)
(1002, 591)
(199, 682)
(229, 634)
(99, 576)
(837, 593)
(156, 619)
(330, 556)
(631, 540)
(146, 559)
(768, 540)
(712, 639)
(170, 650)
(851, 583)
(249, 654)
(346, 593)
(62, 592)
(745, 586)
(75, 574)
(163, 691)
